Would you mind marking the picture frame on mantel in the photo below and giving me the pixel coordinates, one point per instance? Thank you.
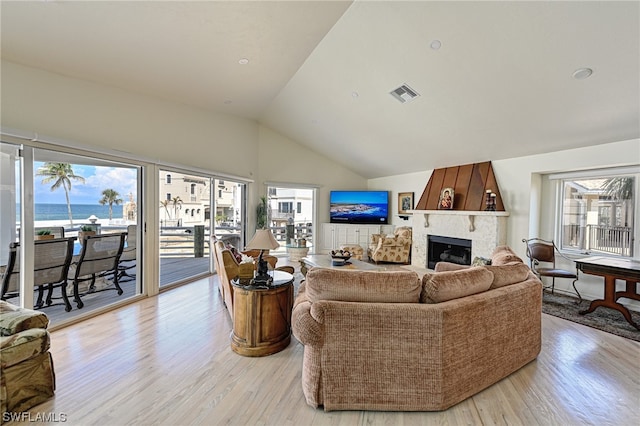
(405, 203)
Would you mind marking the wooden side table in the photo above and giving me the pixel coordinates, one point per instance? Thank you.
(262, 316)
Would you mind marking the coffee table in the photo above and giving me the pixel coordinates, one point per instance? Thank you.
(325, 261)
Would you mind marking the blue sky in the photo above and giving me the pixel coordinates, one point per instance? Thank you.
(97, 179)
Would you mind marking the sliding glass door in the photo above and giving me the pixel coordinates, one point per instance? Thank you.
(49, 194)
(291, 215)
(193, 207)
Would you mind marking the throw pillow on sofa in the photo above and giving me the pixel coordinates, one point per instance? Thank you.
(442, 286)
(362, 286)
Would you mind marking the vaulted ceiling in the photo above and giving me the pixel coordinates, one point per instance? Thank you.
(495, 79)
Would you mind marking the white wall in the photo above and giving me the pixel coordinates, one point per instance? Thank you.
(95, 116)
(283, 160)
(519, 181)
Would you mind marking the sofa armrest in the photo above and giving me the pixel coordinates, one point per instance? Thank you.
(14, 319)
(304, 327)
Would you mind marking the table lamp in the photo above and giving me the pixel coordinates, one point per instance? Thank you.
(262, 240)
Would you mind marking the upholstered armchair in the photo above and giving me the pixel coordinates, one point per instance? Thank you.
(394, 248)
(25, 360)
(227, 262)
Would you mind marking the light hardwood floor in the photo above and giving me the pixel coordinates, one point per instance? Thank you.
(166, 361)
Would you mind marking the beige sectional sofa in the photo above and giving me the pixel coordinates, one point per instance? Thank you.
(389, 340)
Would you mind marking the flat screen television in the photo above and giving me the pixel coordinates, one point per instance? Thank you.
(362, 207)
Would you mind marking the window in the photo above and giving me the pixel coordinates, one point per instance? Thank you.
(298, 207)
(285, 207)
(597, 213)
(168, 179)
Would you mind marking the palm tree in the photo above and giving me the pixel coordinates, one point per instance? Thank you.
(111, 197)
(61, 175)
(619, 188)
(177, 202)
(165, 204)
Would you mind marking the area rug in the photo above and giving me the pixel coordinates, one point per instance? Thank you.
(602, 318)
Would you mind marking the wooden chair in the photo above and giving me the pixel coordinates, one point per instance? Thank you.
(51, 266)
(99, 257)
(542, 252)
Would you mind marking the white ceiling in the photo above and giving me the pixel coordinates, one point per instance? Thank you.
(320, 72)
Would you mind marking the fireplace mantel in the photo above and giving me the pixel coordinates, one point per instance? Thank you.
(486, 230)
(471, 215)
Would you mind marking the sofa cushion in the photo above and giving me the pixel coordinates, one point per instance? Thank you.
(442, 286)
(512, 273)
(503, 255)
(362, 286)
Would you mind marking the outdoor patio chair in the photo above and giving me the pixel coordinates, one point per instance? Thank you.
(99, 258)
(128, 257)
(542, 252)
(51, 265)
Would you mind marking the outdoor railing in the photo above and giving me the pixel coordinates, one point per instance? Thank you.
(601, 238)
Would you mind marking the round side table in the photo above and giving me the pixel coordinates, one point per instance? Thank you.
(262, 316)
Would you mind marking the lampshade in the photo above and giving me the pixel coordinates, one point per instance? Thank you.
(263, 240)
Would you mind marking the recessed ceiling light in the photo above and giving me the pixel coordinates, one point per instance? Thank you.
(355, 94)
(436, 44)
(582, 73)
(243, 61)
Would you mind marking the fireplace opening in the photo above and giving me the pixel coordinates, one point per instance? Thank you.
(447, 249)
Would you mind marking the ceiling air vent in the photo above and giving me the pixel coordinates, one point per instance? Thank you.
(404, 93)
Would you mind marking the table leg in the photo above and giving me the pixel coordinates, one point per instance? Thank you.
(630, 291)
(609, 301)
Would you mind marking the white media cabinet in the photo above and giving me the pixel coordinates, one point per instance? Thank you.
(334, 235)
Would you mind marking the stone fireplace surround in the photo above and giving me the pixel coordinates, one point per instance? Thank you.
(486, 230)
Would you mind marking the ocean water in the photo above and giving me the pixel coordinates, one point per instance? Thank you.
(45, 211)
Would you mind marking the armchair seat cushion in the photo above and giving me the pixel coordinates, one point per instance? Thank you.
(27, 368)
(14, 319)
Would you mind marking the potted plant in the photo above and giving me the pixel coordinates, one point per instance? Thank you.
(262, 213)
(44, 234)
(85, 230)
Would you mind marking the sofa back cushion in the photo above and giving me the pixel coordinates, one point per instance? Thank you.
(503, 255)
(362, 286)
(442, 286)
(508, 274)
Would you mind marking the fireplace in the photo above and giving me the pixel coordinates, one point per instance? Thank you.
(447, 249)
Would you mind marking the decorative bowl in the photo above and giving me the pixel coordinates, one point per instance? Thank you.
(340, 256)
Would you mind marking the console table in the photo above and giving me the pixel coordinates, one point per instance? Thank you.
(612, 269)
(262, 315)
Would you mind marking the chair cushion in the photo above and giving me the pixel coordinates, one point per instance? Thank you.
(559, 273)
(442, 286)
(14, 319)
(363, 286)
